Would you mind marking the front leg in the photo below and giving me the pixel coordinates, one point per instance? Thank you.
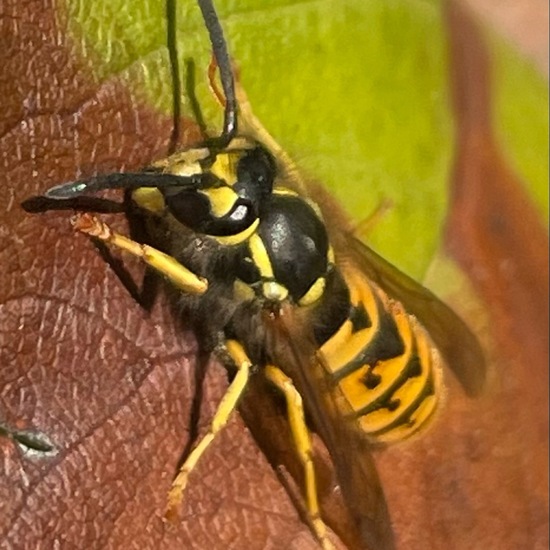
(166, 265)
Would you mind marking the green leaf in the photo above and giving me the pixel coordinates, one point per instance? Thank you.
(355, 90)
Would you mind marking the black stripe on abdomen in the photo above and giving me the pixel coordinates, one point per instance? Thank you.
(385, 344)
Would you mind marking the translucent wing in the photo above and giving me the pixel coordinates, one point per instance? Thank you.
(357, 476)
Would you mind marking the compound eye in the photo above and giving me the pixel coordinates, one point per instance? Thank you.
(196, 211)
(256, 172)
(189, 207)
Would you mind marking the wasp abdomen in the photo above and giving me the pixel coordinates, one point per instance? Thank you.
(383, 363)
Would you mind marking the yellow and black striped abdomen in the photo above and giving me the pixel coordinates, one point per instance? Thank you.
(385, 367)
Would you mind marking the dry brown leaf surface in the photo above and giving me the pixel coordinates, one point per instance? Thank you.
(111, 387)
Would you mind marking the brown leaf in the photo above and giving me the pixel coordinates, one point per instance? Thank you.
(110, 387)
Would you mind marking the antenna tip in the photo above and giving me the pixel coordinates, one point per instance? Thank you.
(65, 190)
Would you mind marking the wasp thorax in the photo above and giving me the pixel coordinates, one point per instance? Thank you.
(287, 256)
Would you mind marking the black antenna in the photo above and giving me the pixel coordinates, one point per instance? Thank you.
(219, 47)
(172, 45)
(128, 180)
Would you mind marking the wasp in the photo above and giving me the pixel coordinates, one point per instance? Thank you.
(267, 267)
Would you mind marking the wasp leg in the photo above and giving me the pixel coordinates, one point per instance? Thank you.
(365, 227)
(178, 274)
(225, 408)
(302, 441)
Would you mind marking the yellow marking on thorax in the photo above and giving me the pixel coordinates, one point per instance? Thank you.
(271, 289)
(260, 256)
(222, 199)
(330, 255)
(316, 208)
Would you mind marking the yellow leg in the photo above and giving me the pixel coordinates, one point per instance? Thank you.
(225, 408)
(178, 274)
(302, 441)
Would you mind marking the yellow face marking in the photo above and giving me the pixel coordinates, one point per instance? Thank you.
(260, 256)
(222, 200)
(314, 292)
(225, 166)
(231, 240)
(149, 198)
(185, 170)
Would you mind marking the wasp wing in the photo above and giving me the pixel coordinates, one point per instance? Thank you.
(359, 482)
